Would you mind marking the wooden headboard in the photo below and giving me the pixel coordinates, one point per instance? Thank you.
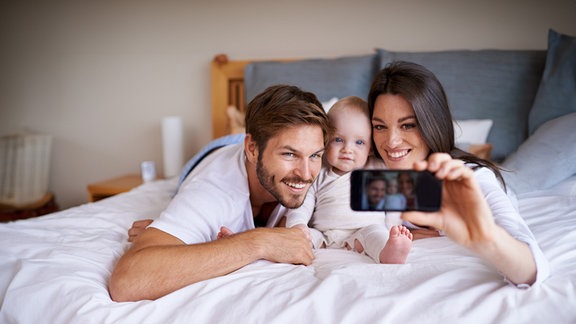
(227, 90)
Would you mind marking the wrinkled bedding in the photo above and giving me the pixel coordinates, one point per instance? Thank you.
(55, 268)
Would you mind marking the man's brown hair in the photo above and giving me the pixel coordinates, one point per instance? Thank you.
(282, 106)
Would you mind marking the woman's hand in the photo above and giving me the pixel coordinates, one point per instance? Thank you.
(422, 233)
(465, 216)
(224, 232)
(467, 219)
(137, 228)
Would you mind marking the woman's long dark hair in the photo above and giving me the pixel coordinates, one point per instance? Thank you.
(420, 87)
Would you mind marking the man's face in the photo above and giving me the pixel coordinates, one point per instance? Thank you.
(376, 191)
(290, 163)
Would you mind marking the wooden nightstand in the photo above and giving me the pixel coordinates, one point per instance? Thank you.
(482, 151)
(44, 206)
(114, 186)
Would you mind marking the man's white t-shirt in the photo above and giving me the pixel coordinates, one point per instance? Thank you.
(215, 194)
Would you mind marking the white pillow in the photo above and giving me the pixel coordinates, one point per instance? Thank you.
(545, 158)
(471, 131)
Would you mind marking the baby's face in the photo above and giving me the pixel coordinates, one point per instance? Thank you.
(349, 147)
(392, 187)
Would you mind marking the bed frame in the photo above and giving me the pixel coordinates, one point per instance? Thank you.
(227, 90)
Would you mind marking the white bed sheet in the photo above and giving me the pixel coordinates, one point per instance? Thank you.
(55, 268)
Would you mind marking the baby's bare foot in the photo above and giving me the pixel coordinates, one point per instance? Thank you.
(398, 246)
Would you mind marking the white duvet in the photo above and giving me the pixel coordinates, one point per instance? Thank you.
(55, 268)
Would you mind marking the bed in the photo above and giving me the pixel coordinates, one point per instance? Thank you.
(55, 268)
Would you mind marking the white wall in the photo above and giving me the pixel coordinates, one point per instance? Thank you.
(100, 75)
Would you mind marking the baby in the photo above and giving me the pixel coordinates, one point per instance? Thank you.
(327, 205)
(394, 199)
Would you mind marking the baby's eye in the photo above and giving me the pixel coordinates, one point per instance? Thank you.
(338, 140)
(360, 142)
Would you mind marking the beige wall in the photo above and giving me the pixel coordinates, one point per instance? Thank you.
(100, 75)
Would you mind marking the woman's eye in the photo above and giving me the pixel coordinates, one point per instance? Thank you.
(409, 126)
(378, 127)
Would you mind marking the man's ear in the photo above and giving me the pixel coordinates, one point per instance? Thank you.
(251, 149)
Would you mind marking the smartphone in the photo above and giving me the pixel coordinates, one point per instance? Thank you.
(395, 190)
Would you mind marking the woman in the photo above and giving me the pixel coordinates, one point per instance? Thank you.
(412, 129)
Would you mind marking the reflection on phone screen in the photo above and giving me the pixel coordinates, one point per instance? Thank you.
(395, 190)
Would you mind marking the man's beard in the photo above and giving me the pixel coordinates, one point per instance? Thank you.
(267, 181)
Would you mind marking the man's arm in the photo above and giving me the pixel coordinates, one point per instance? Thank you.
(158, 263)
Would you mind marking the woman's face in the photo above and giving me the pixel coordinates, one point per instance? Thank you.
(396, 134)
(405, 184)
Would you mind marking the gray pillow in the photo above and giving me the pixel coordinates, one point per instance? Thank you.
(486, 84)
(326, 78)
(557, 93)
(546, 158)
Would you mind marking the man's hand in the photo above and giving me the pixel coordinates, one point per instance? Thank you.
(285, 245)
(280, 244)
(304, 230)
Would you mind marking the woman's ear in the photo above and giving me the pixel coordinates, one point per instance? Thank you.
(251, 149)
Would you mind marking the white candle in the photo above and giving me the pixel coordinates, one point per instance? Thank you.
(172, 144)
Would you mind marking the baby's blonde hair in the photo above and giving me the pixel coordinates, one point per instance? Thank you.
(350, 102)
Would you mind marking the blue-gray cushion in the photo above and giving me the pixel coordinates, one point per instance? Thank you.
(546, 158)
(486, 84)
(557, 93)
(326, 78)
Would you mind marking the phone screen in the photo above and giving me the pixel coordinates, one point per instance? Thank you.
(394, 190)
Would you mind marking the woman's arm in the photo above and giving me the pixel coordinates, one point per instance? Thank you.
(138, 228)
(467, 219)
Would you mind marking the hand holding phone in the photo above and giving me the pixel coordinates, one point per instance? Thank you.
(395, 190)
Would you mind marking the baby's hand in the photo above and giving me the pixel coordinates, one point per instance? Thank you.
(224, 232)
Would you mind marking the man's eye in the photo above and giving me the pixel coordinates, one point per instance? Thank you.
(316, 156)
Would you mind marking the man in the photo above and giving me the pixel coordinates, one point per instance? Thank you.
(376, 193)
(234, 189)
